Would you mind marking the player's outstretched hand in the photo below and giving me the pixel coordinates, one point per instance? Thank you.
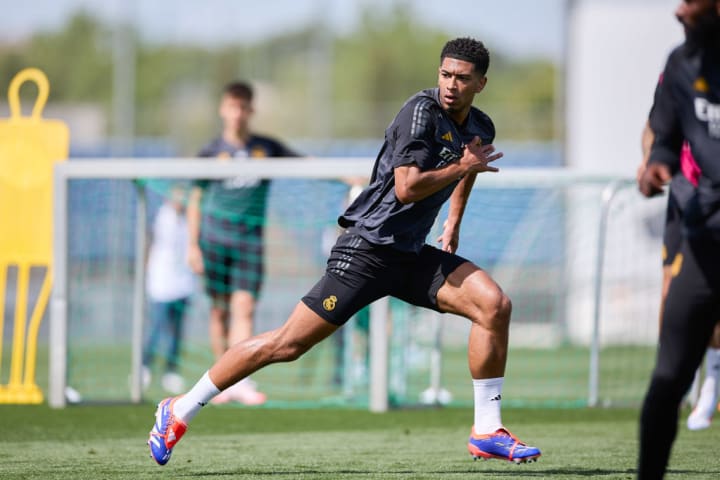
(653, 179)
(480, 156)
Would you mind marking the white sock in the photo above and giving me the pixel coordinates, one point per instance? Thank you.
(708, 397)
(708, 392)
(712, 363)
(488, 395)
(187, 406)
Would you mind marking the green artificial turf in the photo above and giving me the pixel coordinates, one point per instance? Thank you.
(108, 442)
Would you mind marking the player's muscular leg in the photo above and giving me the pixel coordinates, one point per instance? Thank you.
(242, 310)
(299, 334)
(472, 293)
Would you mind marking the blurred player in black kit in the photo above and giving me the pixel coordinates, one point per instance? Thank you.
(687, 107)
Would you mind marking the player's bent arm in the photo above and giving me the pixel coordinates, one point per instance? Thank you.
(450, 237)
(413, 184)
(458, 201)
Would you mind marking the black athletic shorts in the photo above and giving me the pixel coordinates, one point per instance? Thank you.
(359, 272)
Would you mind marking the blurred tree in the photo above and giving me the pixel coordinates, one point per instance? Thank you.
(520, 97)
(80, 76)
(379, 66)
(311, 83)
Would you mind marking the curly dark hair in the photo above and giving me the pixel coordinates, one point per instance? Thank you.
(240, 90)
(469, 50)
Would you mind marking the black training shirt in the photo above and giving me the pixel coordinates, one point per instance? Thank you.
(423, 134)
(687, 106)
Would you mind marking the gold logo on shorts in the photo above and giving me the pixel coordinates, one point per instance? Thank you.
(329, 303)
(676, 265)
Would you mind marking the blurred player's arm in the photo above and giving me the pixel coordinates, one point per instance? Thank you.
(192, 212)
(664, 158)
(646, 142)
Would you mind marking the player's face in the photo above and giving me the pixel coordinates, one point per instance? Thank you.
(697, 15)
(458, 84)
(235, 113)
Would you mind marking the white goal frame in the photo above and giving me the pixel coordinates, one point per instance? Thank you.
(326, 168)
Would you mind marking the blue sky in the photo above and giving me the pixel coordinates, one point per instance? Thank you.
(517, 27)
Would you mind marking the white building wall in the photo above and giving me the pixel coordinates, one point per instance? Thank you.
(615, 52)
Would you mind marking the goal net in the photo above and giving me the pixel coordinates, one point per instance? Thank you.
(579, 255)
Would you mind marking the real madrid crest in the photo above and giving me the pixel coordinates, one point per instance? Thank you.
(329, 303)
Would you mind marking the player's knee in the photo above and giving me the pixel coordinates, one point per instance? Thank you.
(492, 309)
(243, 303)
(497, 305)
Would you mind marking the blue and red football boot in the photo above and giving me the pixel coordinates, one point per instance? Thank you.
(167, 431)
(501, 444)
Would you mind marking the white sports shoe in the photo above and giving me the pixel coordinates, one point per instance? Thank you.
(702, 414)
(698, 420)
